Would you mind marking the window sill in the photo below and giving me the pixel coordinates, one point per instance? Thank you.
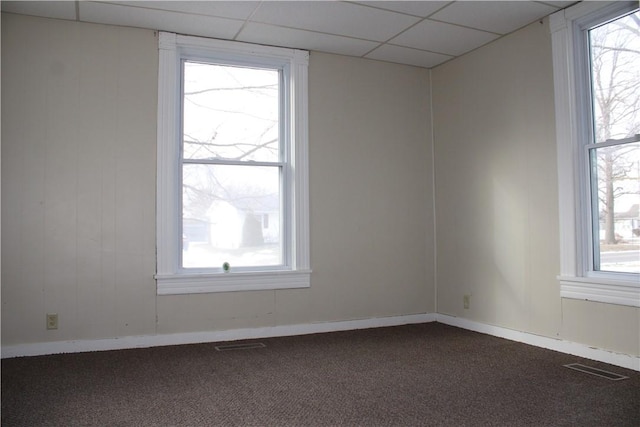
(600, 290)
(176, 284)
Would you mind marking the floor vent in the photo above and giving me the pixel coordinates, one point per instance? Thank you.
(242, 346)
(595, 371)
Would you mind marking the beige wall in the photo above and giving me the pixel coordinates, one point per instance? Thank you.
(497, 199)
(78, 165)
(78, 192)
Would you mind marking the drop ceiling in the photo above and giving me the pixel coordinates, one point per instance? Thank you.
(420, 33)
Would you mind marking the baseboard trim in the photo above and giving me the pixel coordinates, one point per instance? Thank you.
(568, 347)
(142, 341)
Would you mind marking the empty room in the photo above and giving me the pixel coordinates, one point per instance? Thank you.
(320, 213)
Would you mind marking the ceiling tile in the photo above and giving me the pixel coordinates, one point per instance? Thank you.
(224, 9)
(416, 8)
(197, 25)
(422, 33)
(300, 39)
(443, 38)
(48, 9)
(346, 19)
(500, 17)
(405, 55)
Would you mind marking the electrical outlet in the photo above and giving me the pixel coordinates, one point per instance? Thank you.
(52, 320)
(466, 300)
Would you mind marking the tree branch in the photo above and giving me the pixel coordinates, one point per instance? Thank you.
(218, 89)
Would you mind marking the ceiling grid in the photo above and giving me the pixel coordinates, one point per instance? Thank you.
(419, 33)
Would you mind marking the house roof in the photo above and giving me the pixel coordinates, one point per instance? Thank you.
(632, 213)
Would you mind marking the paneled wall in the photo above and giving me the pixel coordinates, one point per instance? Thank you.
(78, 194)
(497, 197)
(79, 106)
(78, 165)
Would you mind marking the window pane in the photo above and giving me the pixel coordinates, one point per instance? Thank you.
(615, 75)
(231, 214)
(616, 192)
(230, 112)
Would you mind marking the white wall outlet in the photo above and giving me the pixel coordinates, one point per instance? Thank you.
(466, 300)
(52, 320)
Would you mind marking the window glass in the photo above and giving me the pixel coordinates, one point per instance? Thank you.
(615, 78)
(616, 202)
(230, 112)
(231, 173)
(614, 152)
(224, 207)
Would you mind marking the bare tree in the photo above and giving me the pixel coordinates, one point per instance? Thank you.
(614, 168)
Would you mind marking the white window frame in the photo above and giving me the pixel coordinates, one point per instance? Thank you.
(577, 278)
(171, 278)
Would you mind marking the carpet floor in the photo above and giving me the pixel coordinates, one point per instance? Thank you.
(415, 375)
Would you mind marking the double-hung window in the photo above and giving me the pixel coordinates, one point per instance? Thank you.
(232, 167)
(596, 48)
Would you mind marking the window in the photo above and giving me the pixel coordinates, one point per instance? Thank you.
(596, 59)
(232, 167)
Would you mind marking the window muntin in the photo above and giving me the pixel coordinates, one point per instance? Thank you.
(233, 166)
(613, 151)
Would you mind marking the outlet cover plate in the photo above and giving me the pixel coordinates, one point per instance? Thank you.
(52, 321)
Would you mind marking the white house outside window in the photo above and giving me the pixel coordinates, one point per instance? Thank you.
(232, 167)
(596, 51)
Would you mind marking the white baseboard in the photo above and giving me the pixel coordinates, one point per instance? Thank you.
(142, 341)
(77, 346)
(568, 347)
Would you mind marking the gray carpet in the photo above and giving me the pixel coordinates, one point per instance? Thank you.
(415, 375)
